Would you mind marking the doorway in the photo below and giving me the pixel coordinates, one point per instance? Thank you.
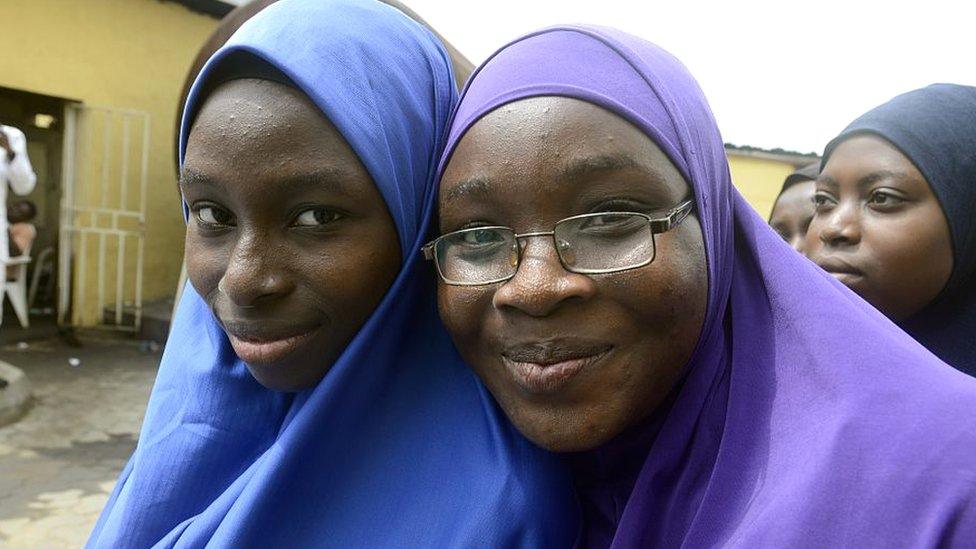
(40, 117)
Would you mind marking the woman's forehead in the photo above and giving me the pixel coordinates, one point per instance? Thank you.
(551, 137)
(257, 98)
(867, 147)
(865, 159)
(558, 115)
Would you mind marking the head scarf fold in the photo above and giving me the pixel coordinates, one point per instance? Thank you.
(399, 445)
(806, 173)
(810, 172)
(935, 127)
(805, 418)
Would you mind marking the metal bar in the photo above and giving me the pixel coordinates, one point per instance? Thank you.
(67, 215)
(123, 191)
(86, 175)
(144, 176)
(106, 158)
(137, 313)
(99, 230)
(101, 274)
(142, 220)
(129, 213)
(119, 274)
(82, 275)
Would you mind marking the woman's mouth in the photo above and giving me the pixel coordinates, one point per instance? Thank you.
(847, 279)
(547, 367)
(264, 346)
(843, 271)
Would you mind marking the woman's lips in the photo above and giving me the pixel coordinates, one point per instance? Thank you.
(843, 271)
(846, 278)
(257, 348)
(546, 369)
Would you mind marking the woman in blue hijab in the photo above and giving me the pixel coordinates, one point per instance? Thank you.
(390, 443)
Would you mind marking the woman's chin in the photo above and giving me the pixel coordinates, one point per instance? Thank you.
(564, 432)
(286, 377)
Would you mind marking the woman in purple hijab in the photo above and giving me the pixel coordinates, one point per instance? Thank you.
(628, 309)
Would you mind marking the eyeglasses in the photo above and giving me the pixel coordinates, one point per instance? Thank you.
(594, 243)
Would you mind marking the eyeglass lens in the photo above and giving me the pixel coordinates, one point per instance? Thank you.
(589, 244)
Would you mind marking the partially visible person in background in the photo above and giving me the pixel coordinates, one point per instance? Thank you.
(793, 208)
(22, 232)
(896, 216)
(16, 171)
(21, 215)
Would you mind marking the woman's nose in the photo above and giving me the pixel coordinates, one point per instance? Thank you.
(541, 285)
(796, 241)
(843, 226)
(253, 272)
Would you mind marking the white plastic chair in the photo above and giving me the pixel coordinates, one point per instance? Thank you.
(15, 287)
(44, 260)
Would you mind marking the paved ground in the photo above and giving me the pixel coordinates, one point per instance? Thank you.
(60, 461)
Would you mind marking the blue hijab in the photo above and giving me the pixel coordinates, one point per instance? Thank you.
(399, 445)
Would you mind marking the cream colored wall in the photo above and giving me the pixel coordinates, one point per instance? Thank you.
(759, 180)
(131, 54)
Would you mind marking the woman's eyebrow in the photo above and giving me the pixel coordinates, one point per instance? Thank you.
(465, 187)
(826, 180)
(191, 178)
(334, 180)
(881, 175)
(596, 164)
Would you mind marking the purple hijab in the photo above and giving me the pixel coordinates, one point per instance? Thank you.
(805, 418)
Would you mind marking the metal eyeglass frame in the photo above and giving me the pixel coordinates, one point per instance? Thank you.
(659, 225)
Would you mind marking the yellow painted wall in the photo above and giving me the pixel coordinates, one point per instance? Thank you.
(131, 54)
(759, 180)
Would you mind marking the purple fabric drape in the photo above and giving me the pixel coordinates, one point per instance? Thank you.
(805, 418)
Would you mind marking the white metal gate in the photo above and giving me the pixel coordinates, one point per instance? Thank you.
(103, 214)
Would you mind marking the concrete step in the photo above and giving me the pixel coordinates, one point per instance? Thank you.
(15, 393)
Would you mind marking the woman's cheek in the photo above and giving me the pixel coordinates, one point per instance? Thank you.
(463, 309)
(205, 265)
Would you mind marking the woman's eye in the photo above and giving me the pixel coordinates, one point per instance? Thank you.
(481, 237)
(212, 215)
(316, 217)
(822, 200)
(882, 198)
(617, 205)
(598, 221)
(612, 222)
(607, 219)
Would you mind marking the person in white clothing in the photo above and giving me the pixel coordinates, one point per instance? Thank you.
(16, 171)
